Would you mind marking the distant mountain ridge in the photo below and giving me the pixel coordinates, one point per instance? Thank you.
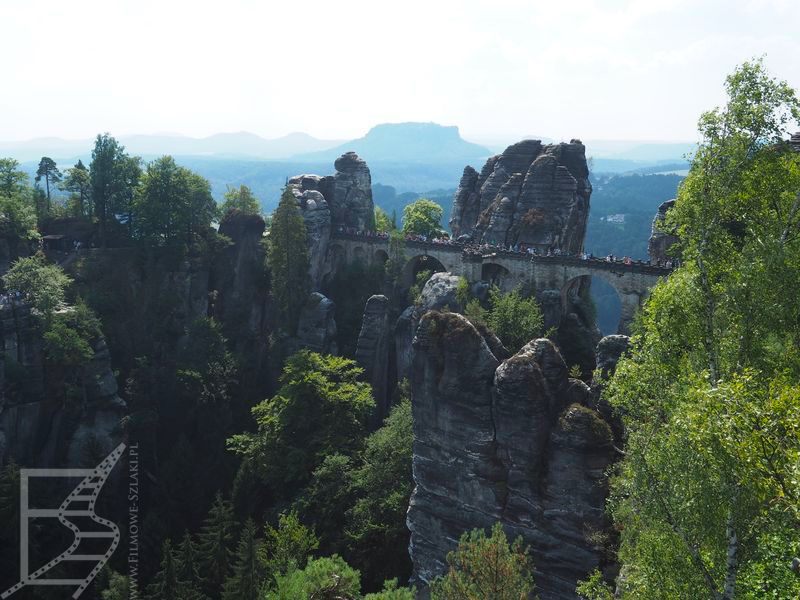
(411, 142)
(229, 145)
(406, 142)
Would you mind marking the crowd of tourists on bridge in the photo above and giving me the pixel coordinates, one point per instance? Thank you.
(479, 249)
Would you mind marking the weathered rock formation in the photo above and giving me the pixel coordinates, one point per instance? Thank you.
(795, 142)
(317, 216)
(316, 329)
(239, 296)
(531, 194)
(404, 330)
(352, 193)
(372, 352)
(609, 351)
(511, 441)
(37, 427)
(438, 293)
(343, 200)
(661, 239)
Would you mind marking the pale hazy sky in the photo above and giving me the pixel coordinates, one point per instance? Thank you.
(603, 69)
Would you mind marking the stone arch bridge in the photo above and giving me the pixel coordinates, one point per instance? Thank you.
(632, 282)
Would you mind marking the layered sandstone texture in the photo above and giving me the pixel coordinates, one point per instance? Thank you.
(333, 202)
(662, 237)
(514, 441)
(531, 194)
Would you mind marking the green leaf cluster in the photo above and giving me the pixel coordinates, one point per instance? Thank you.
(486, 567)
(241, 199)
(171, 204)
(43, 284)
(320, 409)
(383, 222)
(515, 319)
(707, 498)
(422, 217)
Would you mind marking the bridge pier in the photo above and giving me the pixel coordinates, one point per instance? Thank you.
(631, 302)
(471, 268)
(631, 281)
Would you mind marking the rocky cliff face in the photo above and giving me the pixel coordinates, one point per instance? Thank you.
(309, 191)
(530, 194)
(439, 292)
(343, 200)
(661, 239)
(513, 441)
(372, 352)
(609, 351)
(38, 428)
(352, 193)
(316, 328)
(239, 298)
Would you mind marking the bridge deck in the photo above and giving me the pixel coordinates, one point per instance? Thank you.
(473, 253)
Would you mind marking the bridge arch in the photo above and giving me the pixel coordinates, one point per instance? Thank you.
(497, 275)
(588, 294)
(380, 257)
(629, 287)
(608, 303)
(416, 265)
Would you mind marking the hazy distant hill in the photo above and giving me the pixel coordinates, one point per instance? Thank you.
(410, 157)
(241, 144)
(407, 142)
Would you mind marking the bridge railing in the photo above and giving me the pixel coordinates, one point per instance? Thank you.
(484, 252)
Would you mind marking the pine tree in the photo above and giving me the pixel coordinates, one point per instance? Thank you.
(165, 583)
(215, 542)
(248, 572)
(115, 585)
(48, 170)
(188, 570)
(288, 258)
(486, 567)
(9, 513)
(289, 545)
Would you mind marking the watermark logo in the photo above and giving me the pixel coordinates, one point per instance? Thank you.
(77, 513)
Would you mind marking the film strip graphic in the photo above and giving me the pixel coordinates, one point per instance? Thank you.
(78, 505)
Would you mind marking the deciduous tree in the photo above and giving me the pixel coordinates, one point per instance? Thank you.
(12, 179)
(109, 180)
(242, 199)
(707, 496)
(42, 283)
(422, 217)
(320, 409)
(79, 182)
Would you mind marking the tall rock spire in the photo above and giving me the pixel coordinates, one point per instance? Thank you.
(530, 194)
